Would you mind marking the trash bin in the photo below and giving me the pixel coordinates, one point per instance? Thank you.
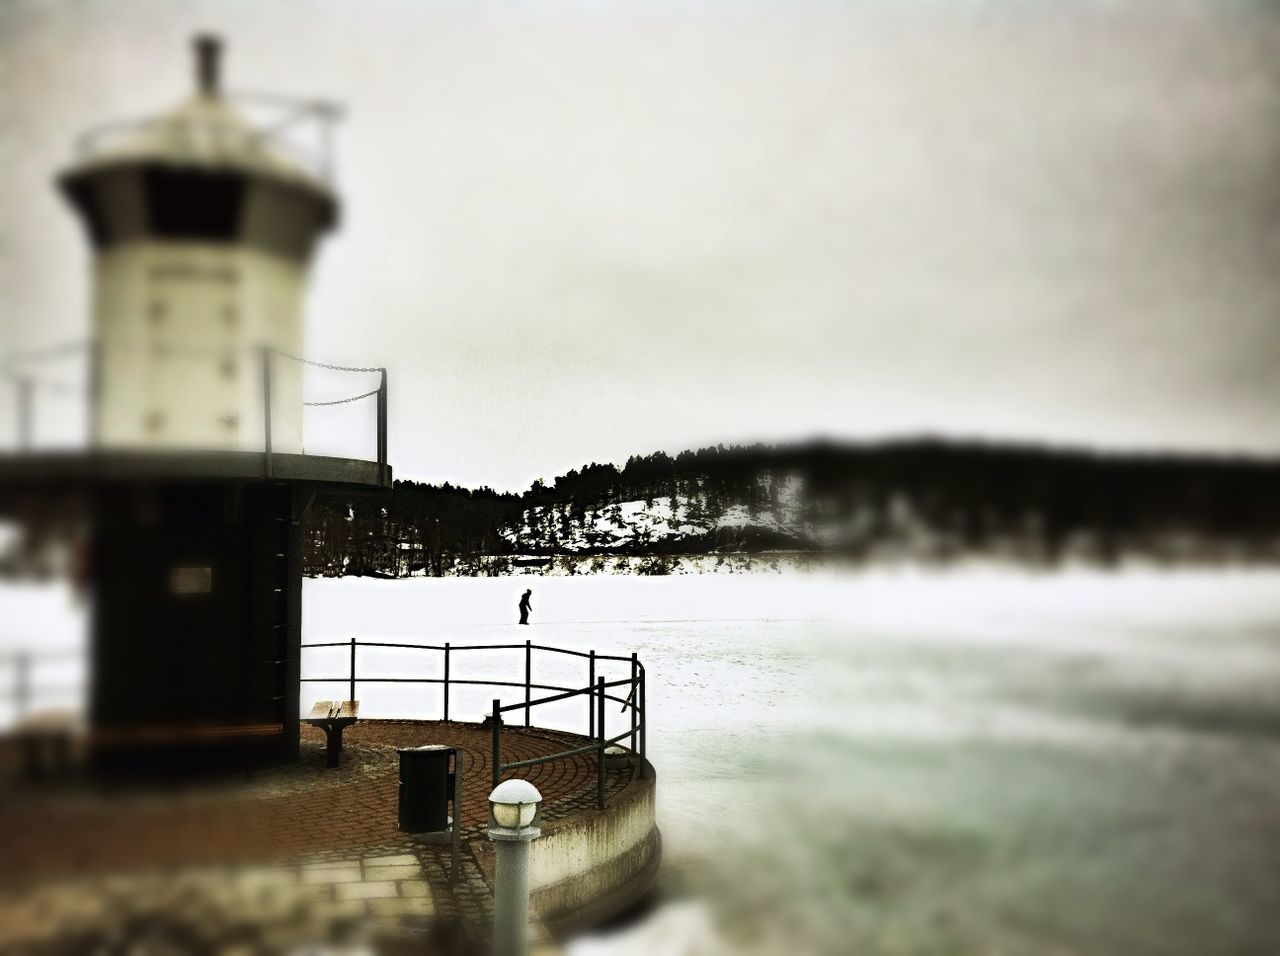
(426, 787)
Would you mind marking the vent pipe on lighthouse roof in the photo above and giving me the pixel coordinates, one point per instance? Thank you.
(208, 64)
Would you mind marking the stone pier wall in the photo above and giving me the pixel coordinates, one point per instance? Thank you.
(594, 863)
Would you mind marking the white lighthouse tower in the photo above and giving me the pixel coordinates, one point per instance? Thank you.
(202, 227)
(192, 496)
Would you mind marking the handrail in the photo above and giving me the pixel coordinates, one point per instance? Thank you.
(428, 647)
(487, 647)
(560, 650)
(315, 161)
(38, 690)
(536, 761)
(596, 691)
(13, 658)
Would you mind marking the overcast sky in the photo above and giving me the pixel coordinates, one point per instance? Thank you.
(582, 230)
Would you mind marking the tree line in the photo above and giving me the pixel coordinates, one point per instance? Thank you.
(970, 495)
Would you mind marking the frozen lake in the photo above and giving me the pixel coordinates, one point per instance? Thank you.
(898, 763)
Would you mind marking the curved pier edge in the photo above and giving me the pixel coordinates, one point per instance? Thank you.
(615, 901)
(594, 865)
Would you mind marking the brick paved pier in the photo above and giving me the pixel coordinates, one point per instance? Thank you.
(293, 855)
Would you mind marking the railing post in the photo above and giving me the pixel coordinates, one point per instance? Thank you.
(644, 724)
(382, 428)
(351, 690)
(326, 146)
(95, 391)
(26, 412)
(634, 696)
(456, 835)
(21, 684)
(497, 742)
(446, 681)
(591, 696)
(600, 745)
(266, 410)
(528, 679)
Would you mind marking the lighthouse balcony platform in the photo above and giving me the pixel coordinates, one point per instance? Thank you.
(49, 471)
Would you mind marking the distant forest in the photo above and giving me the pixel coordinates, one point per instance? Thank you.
(933, 500)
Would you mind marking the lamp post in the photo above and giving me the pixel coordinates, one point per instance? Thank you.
(514, 810)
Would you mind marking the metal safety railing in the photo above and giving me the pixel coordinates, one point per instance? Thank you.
(267, 356)
(597, 691)
(18, 369)
(274, 141)
(25, 691)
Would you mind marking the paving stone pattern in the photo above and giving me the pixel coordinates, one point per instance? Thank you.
(271, 863)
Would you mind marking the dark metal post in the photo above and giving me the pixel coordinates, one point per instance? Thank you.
(26, 411)
(644, 726)
(351, 695)
(266, 408)
(208, 52)
(497, 742)
(600, 745)
(457, 814)
(95, 390)
(382, 428)
(446, 681)
(22, 684)
(634, 696)
(591, 697)
(528, 679)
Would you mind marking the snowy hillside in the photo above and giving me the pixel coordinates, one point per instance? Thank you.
(780, 515)
(676, 523)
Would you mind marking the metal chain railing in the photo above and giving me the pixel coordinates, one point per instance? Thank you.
(52, 352)
(342, 401)
(48, 352)
(52, 386)
(332, 368)
(27, 384)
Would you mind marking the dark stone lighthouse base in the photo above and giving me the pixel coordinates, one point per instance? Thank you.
(196, 626)
(195, 564)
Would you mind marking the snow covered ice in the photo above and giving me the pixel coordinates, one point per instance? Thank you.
(920, 762)
(893, 762)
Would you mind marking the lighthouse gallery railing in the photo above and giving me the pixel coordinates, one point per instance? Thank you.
(28, 384)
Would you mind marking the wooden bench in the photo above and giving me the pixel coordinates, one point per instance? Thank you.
(333, 717)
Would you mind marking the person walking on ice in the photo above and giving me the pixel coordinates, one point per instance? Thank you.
(525, 606)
